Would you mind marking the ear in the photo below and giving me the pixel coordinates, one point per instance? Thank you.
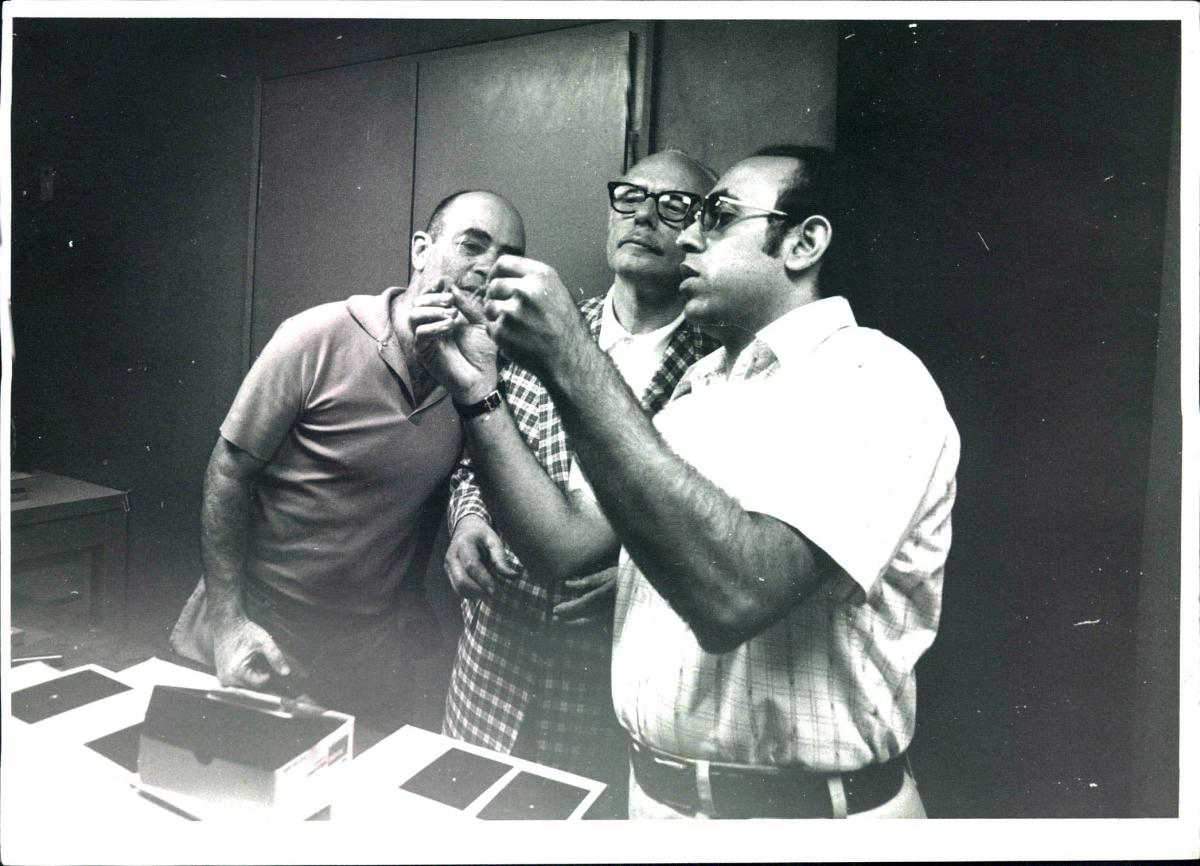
(804, 244)
(419, 250)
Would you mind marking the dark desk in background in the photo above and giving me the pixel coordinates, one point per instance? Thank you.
(55, 517)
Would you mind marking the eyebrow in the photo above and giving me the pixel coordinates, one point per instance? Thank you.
(481, 235)
(664, 188)
(476, 234)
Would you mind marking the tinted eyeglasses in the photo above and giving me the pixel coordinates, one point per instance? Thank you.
(720, 211)
(674, 206)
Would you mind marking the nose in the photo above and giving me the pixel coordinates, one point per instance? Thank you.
(646, 211)
(690, 238)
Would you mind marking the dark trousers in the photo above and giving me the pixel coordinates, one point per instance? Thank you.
(357, 664)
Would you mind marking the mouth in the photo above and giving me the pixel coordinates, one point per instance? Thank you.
(640, 242)
(689, 278)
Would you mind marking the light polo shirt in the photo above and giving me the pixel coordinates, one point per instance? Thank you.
(351, 492)
(637, 357)
(841, 433)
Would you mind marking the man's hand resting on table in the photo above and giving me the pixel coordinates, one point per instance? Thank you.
(245, 655)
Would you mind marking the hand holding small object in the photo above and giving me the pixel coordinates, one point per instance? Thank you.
(452, 343)
(531, 315)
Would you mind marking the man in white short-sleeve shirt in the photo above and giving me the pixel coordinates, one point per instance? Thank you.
(784, 521)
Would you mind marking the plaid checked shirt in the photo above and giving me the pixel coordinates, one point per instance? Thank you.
(517, 674)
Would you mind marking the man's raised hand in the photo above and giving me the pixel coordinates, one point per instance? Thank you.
(451, 341)
(531, 314)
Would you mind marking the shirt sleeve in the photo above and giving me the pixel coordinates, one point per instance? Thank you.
(853, 462)
(271, 397)
(465, 495)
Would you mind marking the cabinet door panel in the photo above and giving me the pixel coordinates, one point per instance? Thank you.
(335, 188)
(540, 119)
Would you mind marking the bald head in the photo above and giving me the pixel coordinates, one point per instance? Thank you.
(468, 198)
(697, 176)
(467, 232)
(641, 246)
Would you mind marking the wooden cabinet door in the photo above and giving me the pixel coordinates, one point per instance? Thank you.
(540, 119)
(335, 188)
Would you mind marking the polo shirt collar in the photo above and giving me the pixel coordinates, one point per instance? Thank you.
(373, 313)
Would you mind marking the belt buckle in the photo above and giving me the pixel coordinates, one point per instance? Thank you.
(668, 788)
(745, 792)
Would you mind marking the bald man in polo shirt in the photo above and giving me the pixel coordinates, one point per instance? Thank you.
(325, 487)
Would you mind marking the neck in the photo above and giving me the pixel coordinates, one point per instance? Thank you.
(733, 340)
(643, 308)
(737, 336)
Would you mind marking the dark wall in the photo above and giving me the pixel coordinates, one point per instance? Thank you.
(723, 89)
(1011, 195)
(1156, 737)
(129, 275)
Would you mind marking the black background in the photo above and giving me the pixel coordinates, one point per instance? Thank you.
(1051, 141)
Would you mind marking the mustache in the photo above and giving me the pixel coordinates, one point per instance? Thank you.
(640, 240)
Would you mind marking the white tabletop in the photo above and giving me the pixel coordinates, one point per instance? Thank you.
(56, 774)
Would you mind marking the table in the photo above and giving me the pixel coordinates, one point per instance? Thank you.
(62, 516)
(42, 755)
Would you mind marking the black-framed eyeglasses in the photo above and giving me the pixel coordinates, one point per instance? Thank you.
(718, 212)
(674, 206)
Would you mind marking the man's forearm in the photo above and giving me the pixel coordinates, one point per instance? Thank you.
(728, 572)
(534, 516)
(224, 531)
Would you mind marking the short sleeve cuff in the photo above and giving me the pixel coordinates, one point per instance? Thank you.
(862, 554)
(230, 433)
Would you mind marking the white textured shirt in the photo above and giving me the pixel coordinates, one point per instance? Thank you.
(637, 357)
(841, 433)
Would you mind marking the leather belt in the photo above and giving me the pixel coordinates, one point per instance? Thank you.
(736, 791)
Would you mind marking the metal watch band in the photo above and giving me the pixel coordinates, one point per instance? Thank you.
(487, 404)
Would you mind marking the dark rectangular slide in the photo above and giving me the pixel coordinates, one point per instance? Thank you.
(50, 698)
(456, 778)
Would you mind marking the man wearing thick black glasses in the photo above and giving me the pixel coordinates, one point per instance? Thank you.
(532, 672)
(784, 521)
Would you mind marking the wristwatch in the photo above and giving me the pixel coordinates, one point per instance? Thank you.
(472, 410)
